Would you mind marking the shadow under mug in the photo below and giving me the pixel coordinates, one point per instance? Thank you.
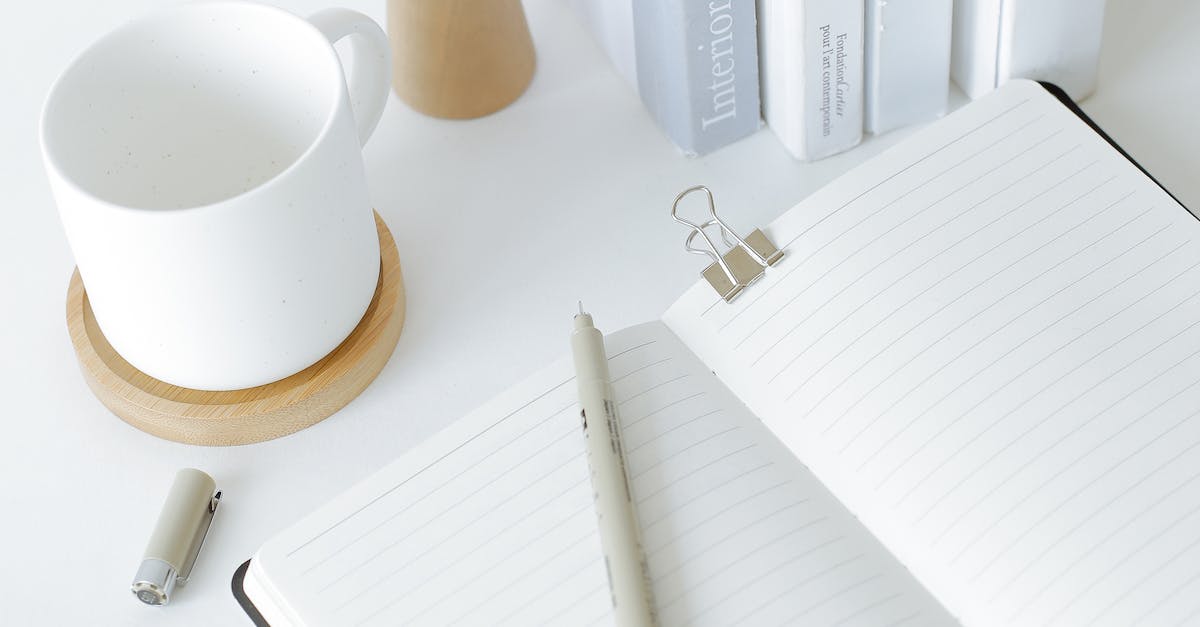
(206, 161)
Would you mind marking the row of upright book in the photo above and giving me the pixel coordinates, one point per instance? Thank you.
(820, 73)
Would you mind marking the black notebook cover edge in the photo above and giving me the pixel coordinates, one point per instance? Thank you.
(239, 576)
(1062, 96)
(239, 592)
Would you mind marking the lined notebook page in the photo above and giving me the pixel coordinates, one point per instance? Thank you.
(491, 521)
(987, 343)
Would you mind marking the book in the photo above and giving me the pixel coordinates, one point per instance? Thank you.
(907, 62)
(694, 64)
(967, 394)
(812, 74)
(1049, 40)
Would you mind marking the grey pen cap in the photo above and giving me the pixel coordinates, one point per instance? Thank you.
(181, 528)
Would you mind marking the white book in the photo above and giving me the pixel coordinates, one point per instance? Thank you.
(907, 62)
(968, 393)
(811, 70)
(1046, 40)
(611, 23)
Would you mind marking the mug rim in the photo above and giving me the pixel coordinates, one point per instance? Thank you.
(328, 51)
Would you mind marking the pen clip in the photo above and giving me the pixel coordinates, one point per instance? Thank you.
(198, 541)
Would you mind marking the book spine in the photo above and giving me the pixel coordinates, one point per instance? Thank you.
(998, 40)
(1056, 41)
(697, 69)
(975, 45)
(907, 62)
(812, 72)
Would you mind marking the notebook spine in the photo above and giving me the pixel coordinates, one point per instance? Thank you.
(812, 73)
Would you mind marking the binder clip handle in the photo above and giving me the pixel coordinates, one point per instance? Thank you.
(712, 208)
(745, 259)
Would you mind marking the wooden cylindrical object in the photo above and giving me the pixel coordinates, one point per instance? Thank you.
(459, 58)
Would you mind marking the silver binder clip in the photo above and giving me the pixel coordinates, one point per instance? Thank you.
(743, 263)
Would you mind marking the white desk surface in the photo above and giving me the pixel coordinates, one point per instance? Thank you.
(502, 223)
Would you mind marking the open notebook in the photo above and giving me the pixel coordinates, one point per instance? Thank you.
(969, 393)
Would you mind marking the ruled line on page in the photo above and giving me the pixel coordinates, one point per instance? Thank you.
(651, 389)
(752, 552)
(663, 460)
(910, 272)
(533, 541)
(641, 368)
(786, 563)
(1029, 338)
(725, 538)
(942, 308)
(794, 297)
(983, 150)
(631, 349)
(710, 488)
(551, 620)
(1062, 503)
(663, 408)
(380, 581)
(1157, 604)
(714, 515)
(587, 538)
(571, 545)
(469, 524)
(1110, 469)
(452, 536)
(919, 160)
(720, 501)
(513, 534)
(859, 612)
(1100, 543)
(1141, 449)
(1140, 481)
(800, 584)
(899, 172)
(499, 476)
(808, 610)
(986, 308)
(427, 467)
(1029, 398)
(434, 490)
(1122, 561)
(904, 619)
(1038, 456)
(993, 422)
(708, 464)
(549, 593)
(984, 175)
(630, 451)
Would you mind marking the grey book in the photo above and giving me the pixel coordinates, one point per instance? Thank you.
(697, 69)
(694, 64)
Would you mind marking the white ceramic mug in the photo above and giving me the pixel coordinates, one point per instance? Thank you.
(206, 161)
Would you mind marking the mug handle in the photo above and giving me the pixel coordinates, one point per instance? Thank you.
(371, 79)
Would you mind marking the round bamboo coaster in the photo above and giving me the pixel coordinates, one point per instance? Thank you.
(253, 414)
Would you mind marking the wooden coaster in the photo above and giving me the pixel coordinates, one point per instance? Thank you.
(253, 414)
